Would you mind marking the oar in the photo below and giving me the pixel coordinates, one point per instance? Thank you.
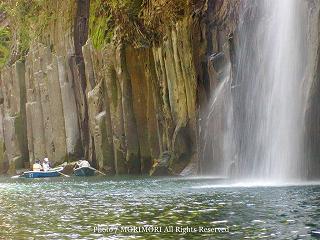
(17, 176)
(63, 174)
(98, 171)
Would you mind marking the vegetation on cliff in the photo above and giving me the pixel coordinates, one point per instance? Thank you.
(5, 36)
(30, 21)
(138, 22)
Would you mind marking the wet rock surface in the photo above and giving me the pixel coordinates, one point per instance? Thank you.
(161, 167)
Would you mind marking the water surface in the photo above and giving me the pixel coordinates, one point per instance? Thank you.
(76, 208)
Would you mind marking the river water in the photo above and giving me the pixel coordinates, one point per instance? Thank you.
(114, 208)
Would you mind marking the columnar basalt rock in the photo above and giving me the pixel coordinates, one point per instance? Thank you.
(69, 108)
(50, 107)
(142, 74)
(56, 112)
(120, 106)
(137, 92)
(99, 111)
(14, 116)
(129, 120)
(2, 159)
(113, 100)
(176, 72)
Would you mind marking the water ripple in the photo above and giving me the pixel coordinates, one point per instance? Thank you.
(71, 208)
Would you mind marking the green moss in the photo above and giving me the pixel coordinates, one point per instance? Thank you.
(101, 25)
(106, 15)
(110, 18)
(27, 19)
(137, 22)
(30, 20)
(5, 39)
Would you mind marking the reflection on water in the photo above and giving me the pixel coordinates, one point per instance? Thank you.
(63, 208)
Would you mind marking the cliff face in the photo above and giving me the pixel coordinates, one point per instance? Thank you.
(312, 134)
(120, 106)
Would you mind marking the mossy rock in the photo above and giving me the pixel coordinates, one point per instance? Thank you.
(161, 166)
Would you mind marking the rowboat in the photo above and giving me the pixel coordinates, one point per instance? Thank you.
(84, 171)
(54, 172)
(315, 233)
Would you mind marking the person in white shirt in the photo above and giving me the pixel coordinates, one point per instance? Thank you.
(82, 163)
(46, 165)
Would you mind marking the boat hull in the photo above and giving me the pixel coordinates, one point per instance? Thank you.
(84, 171)
(42, 174)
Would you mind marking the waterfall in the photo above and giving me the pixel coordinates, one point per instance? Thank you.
(269, 91)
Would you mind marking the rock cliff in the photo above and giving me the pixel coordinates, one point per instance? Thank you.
(121, 103)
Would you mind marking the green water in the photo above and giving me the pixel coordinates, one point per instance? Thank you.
(114, 208)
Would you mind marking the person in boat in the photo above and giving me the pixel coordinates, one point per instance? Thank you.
(37, 166)
(45, 165)
(82, 163)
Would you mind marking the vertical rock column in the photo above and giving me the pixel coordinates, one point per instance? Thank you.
(47, 96)
(69, 106)
(14, 115)
(56, 112)
(38, 128)
(175, 68)
(113, 97)
(99, 110)
(142, 74)
(130, 125)
(77, 66)
(2, 149)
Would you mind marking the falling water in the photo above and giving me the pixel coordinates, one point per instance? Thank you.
(270, 88)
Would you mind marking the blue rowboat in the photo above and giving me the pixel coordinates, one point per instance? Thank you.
(54, 172)
(84, 171)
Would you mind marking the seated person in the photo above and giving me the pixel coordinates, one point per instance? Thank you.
(82, 163)
(46, 165)
(37, 166)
